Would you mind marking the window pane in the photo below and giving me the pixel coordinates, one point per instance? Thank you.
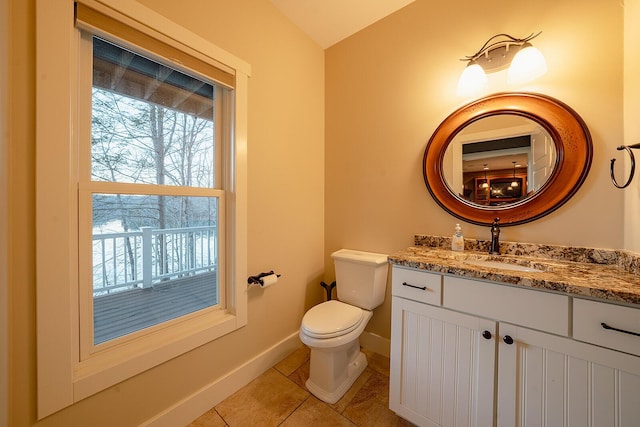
(150, 123)
(155, 258)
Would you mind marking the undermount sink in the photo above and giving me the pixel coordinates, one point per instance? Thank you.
(503, 266)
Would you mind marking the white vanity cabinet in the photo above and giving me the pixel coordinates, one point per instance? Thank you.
(442, 361)
(442, 366)
(485, 354)
(547, 380)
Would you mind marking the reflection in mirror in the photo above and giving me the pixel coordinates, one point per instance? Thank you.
(499, 160)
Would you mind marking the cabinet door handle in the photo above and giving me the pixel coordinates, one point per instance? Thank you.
(605, 326)
(507, 339)
(423, 288)
(486, 335)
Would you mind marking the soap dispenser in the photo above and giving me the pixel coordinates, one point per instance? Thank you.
(457, 241)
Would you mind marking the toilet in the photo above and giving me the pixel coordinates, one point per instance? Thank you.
(332, 329)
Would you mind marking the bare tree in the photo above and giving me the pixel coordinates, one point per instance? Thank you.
(141, 142)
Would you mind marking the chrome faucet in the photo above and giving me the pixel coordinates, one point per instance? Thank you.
(494, 249)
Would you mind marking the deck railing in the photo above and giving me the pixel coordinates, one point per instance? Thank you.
(143, 258)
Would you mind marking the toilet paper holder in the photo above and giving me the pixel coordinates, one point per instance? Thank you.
(257, 279)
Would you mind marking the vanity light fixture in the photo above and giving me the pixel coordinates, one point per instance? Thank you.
(524, 62)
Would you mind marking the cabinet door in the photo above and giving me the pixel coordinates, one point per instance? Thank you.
(546, 380)
(442, 366)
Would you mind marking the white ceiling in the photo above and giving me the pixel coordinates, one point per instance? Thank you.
(329, 21)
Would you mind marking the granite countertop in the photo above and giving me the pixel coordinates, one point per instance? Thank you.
(605, 274)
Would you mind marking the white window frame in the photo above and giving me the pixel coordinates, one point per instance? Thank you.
(64, 377)
(87, 187)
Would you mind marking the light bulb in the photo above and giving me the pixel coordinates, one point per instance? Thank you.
(527, 65)
(472, 81)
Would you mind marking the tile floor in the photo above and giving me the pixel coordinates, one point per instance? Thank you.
(279, 398)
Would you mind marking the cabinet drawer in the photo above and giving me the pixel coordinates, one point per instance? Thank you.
(417, 285)
(525, 307)
(588, 317)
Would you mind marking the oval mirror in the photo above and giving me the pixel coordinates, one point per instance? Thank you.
(513, 156)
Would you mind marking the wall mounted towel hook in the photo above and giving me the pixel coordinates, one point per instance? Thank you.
(632, 169)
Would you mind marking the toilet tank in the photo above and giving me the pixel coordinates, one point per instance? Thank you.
(361, 277)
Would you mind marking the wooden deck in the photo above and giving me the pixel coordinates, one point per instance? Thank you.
(124, 312)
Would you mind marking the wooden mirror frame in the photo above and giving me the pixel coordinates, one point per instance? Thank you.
(573, 147)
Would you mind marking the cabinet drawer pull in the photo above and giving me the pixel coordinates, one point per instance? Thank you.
(605, 326)
(423, 288)
(486, 335)
(507, 339)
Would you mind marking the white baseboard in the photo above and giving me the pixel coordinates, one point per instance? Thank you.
(376, 343)
(188, 409)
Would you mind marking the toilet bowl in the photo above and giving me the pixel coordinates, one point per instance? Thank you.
(336, 359)
(332, 329)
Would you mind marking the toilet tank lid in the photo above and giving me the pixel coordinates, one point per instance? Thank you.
(360, 256)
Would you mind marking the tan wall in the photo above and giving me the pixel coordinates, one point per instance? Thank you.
(285, 218)
(390, 85)
(632, 118)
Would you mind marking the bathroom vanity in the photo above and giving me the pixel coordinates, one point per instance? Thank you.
(541, 335)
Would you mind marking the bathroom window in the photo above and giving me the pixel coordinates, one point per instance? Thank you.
(141, 229)
(151, 190)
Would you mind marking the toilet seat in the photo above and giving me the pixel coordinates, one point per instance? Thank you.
(331, 319)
